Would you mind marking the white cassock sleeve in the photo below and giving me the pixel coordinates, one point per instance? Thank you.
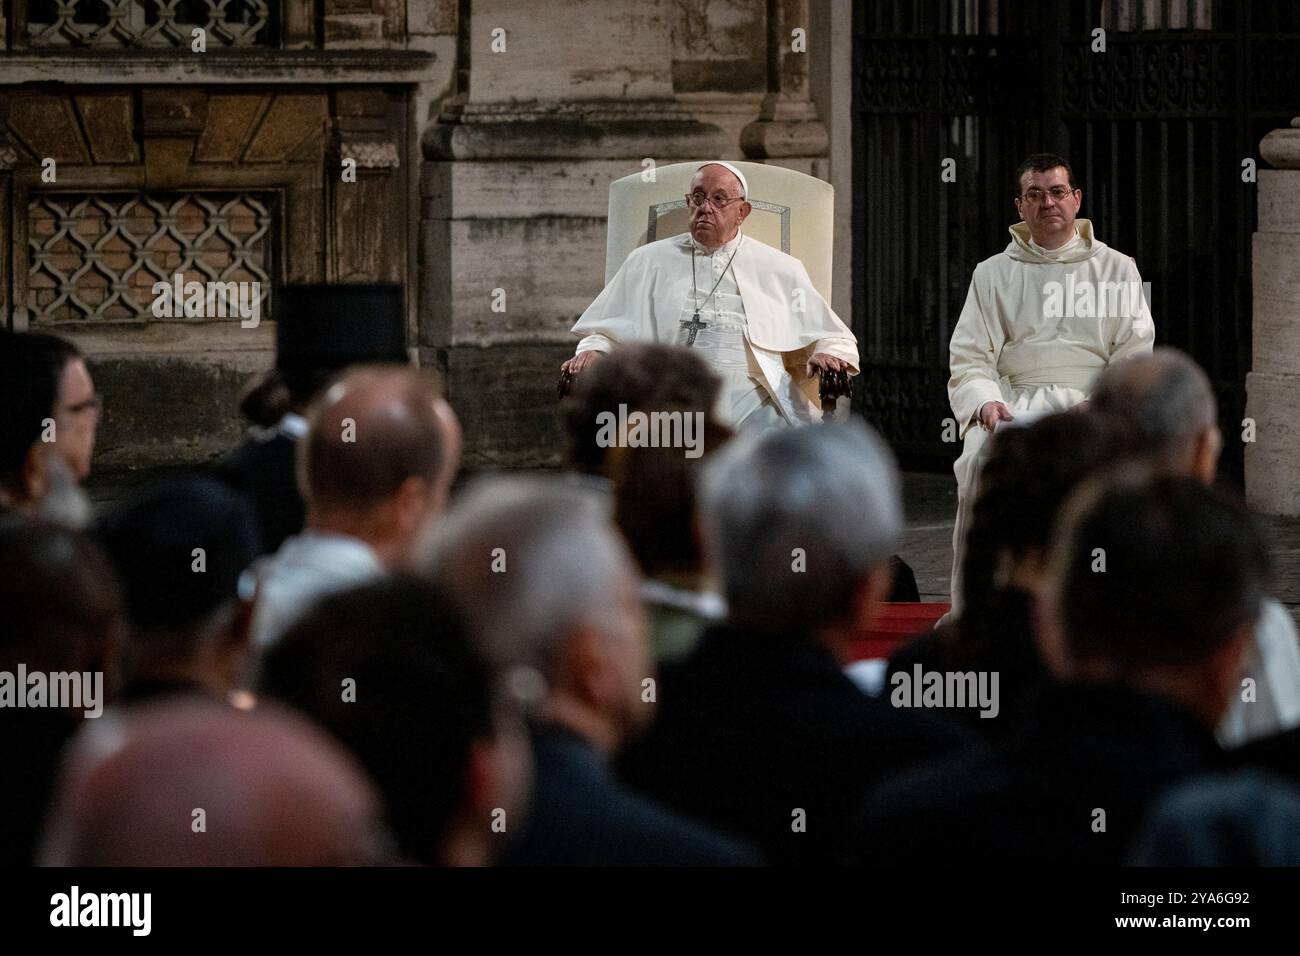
(1135, 332)
(623, 312)
(973, 358)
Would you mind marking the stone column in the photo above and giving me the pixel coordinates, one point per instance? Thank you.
(1273, 385)
(788, 124)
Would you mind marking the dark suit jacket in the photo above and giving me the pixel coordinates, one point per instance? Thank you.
(753, 729)
(31, 747)
(1033, 798)
(1279, 753)
(1003, 641)
(583, 816)
(263, 469)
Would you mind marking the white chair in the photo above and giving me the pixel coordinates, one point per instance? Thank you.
(793, 212)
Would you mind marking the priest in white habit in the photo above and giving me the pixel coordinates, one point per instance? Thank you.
(749, 310)
(1041, 319)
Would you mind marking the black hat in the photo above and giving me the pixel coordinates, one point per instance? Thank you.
(334, 326)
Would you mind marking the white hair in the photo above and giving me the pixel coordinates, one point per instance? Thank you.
(527, 559)
(794, 519)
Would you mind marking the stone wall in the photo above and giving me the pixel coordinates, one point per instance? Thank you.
(220, 164)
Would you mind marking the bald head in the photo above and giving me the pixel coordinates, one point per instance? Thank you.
(379, 457)
(273, 791)
(1166, 404)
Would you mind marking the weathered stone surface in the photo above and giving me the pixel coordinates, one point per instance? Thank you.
(1272, 476)
(1279, 200)
(511, 190)
(505, 399)
(146, 396)
(719, 45)
(615, 49)
(431, 16)
(666, 131)
(550, 270)
(1281, 147)
(1276, 285)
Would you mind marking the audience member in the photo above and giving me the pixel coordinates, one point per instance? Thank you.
(1166, 403)
(634, 377)
(1242, 819)
(389, 670)
(189, 783)
(320, 330)
(1030, 472)
(181, 548)
(1153, 587)
(49, 416)
(62, 614)
(759, 732)
(376, 464)
(654, 508)
(546, 585)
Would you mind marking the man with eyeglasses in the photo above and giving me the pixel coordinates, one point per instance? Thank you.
(749, 310)
(1041, 319)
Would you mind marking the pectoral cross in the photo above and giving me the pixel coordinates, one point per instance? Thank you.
(694, 325)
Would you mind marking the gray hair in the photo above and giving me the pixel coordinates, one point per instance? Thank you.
(527, 559)
(794, 519)
(1164, 398)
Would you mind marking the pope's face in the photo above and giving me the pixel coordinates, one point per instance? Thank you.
(1050, 219)
(711, 224)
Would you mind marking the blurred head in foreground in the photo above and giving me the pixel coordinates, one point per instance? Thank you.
(189, 783)
(548, 588)
(1155, 581)
(800, 525)
(389, 669)
(180, 548)
(1167, 406)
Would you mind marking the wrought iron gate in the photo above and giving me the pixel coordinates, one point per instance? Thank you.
(1156, 128)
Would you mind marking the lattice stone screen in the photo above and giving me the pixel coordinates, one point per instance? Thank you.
(147, 23)
(97, 257)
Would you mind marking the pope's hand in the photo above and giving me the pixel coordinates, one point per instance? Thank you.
(821, 362)
(580, 361)
(993, 412)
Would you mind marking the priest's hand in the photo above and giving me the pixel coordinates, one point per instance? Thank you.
(823, 362)
(580, 361)
(993, 412)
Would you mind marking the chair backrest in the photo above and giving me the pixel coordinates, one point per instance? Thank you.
(793, 212)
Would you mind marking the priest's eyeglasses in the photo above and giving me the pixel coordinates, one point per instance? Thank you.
(1058, 194)
(717, 200)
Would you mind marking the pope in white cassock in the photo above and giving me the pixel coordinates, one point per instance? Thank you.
(749, 310)
(1041, 319)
